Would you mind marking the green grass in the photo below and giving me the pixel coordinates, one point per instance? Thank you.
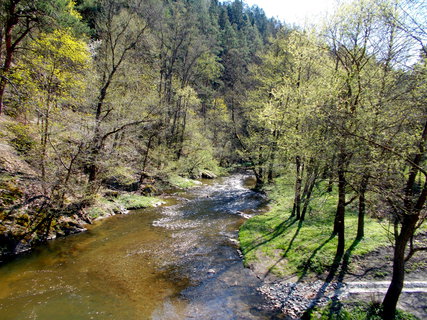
(355, 311)
(183, 183)
(106, 207)
(292, 247)
(132, 201)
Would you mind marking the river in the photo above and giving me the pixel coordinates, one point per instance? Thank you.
(178, 261)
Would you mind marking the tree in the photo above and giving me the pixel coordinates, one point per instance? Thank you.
(122, 31)
(19, 18)
(379, 95)
(53, 73)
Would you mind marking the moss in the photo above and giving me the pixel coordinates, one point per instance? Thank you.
(183, 183)
(307, 247)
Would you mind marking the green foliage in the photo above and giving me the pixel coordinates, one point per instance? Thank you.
(20, 136)
(121, 174)
(55, 68)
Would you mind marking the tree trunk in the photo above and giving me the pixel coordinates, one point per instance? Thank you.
(308, 192)
(340, 214)
(396, 285)
(144, 163)
(259, 180)
(11, 22)
(362, 207)
(270, 174)
(411, 214)
(272, 159)
(296, 210)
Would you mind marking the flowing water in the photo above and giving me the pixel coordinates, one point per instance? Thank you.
(179, 261)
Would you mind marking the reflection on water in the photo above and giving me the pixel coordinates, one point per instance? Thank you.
(174, 262)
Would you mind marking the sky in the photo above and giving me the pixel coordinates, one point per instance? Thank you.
(294, 11)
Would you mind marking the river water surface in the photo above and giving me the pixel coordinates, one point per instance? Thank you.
(178, 261)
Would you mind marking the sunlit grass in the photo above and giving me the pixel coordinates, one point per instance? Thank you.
(132, 201)
(183, 183)
(309, 246)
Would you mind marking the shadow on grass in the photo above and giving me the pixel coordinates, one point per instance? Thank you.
(279, 230)
(336, 305)
(307, 264)
(309, 260)
(287, 249)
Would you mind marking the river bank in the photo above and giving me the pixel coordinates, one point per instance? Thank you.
(179, 261)
(27, 218)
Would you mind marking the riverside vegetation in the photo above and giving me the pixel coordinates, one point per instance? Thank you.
(104, 103)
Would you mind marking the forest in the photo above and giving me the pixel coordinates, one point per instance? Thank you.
(135, 95)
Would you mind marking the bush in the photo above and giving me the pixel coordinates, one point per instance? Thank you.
(20, 137)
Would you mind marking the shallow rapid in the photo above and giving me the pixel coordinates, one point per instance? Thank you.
(179, 261)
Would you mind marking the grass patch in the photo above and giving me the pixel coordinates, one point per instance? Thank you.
(300, 248)
(132, 201)
(183, 183)
(356, 311)
(105, 207)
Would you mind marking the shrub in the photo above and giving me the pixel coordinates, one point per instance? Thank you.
(20, 137)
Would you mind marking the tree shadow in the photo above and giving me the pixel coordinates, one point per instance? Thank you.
(309, 260)
(336, 304)
(287, 249)
(307, 264)
(279, 230)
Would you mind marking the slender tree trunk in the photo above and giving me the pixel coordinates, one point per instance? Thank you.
(270, 175)
(308, 192)
(362, 207)
(339, 226)
(182, 136)
(44, 140)
(271, 167)
(144, 163)
(296, 210)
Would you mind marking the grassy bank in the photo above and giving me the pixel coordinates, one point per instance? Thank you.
(182, 183)
(105, 207)
(284, 246)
